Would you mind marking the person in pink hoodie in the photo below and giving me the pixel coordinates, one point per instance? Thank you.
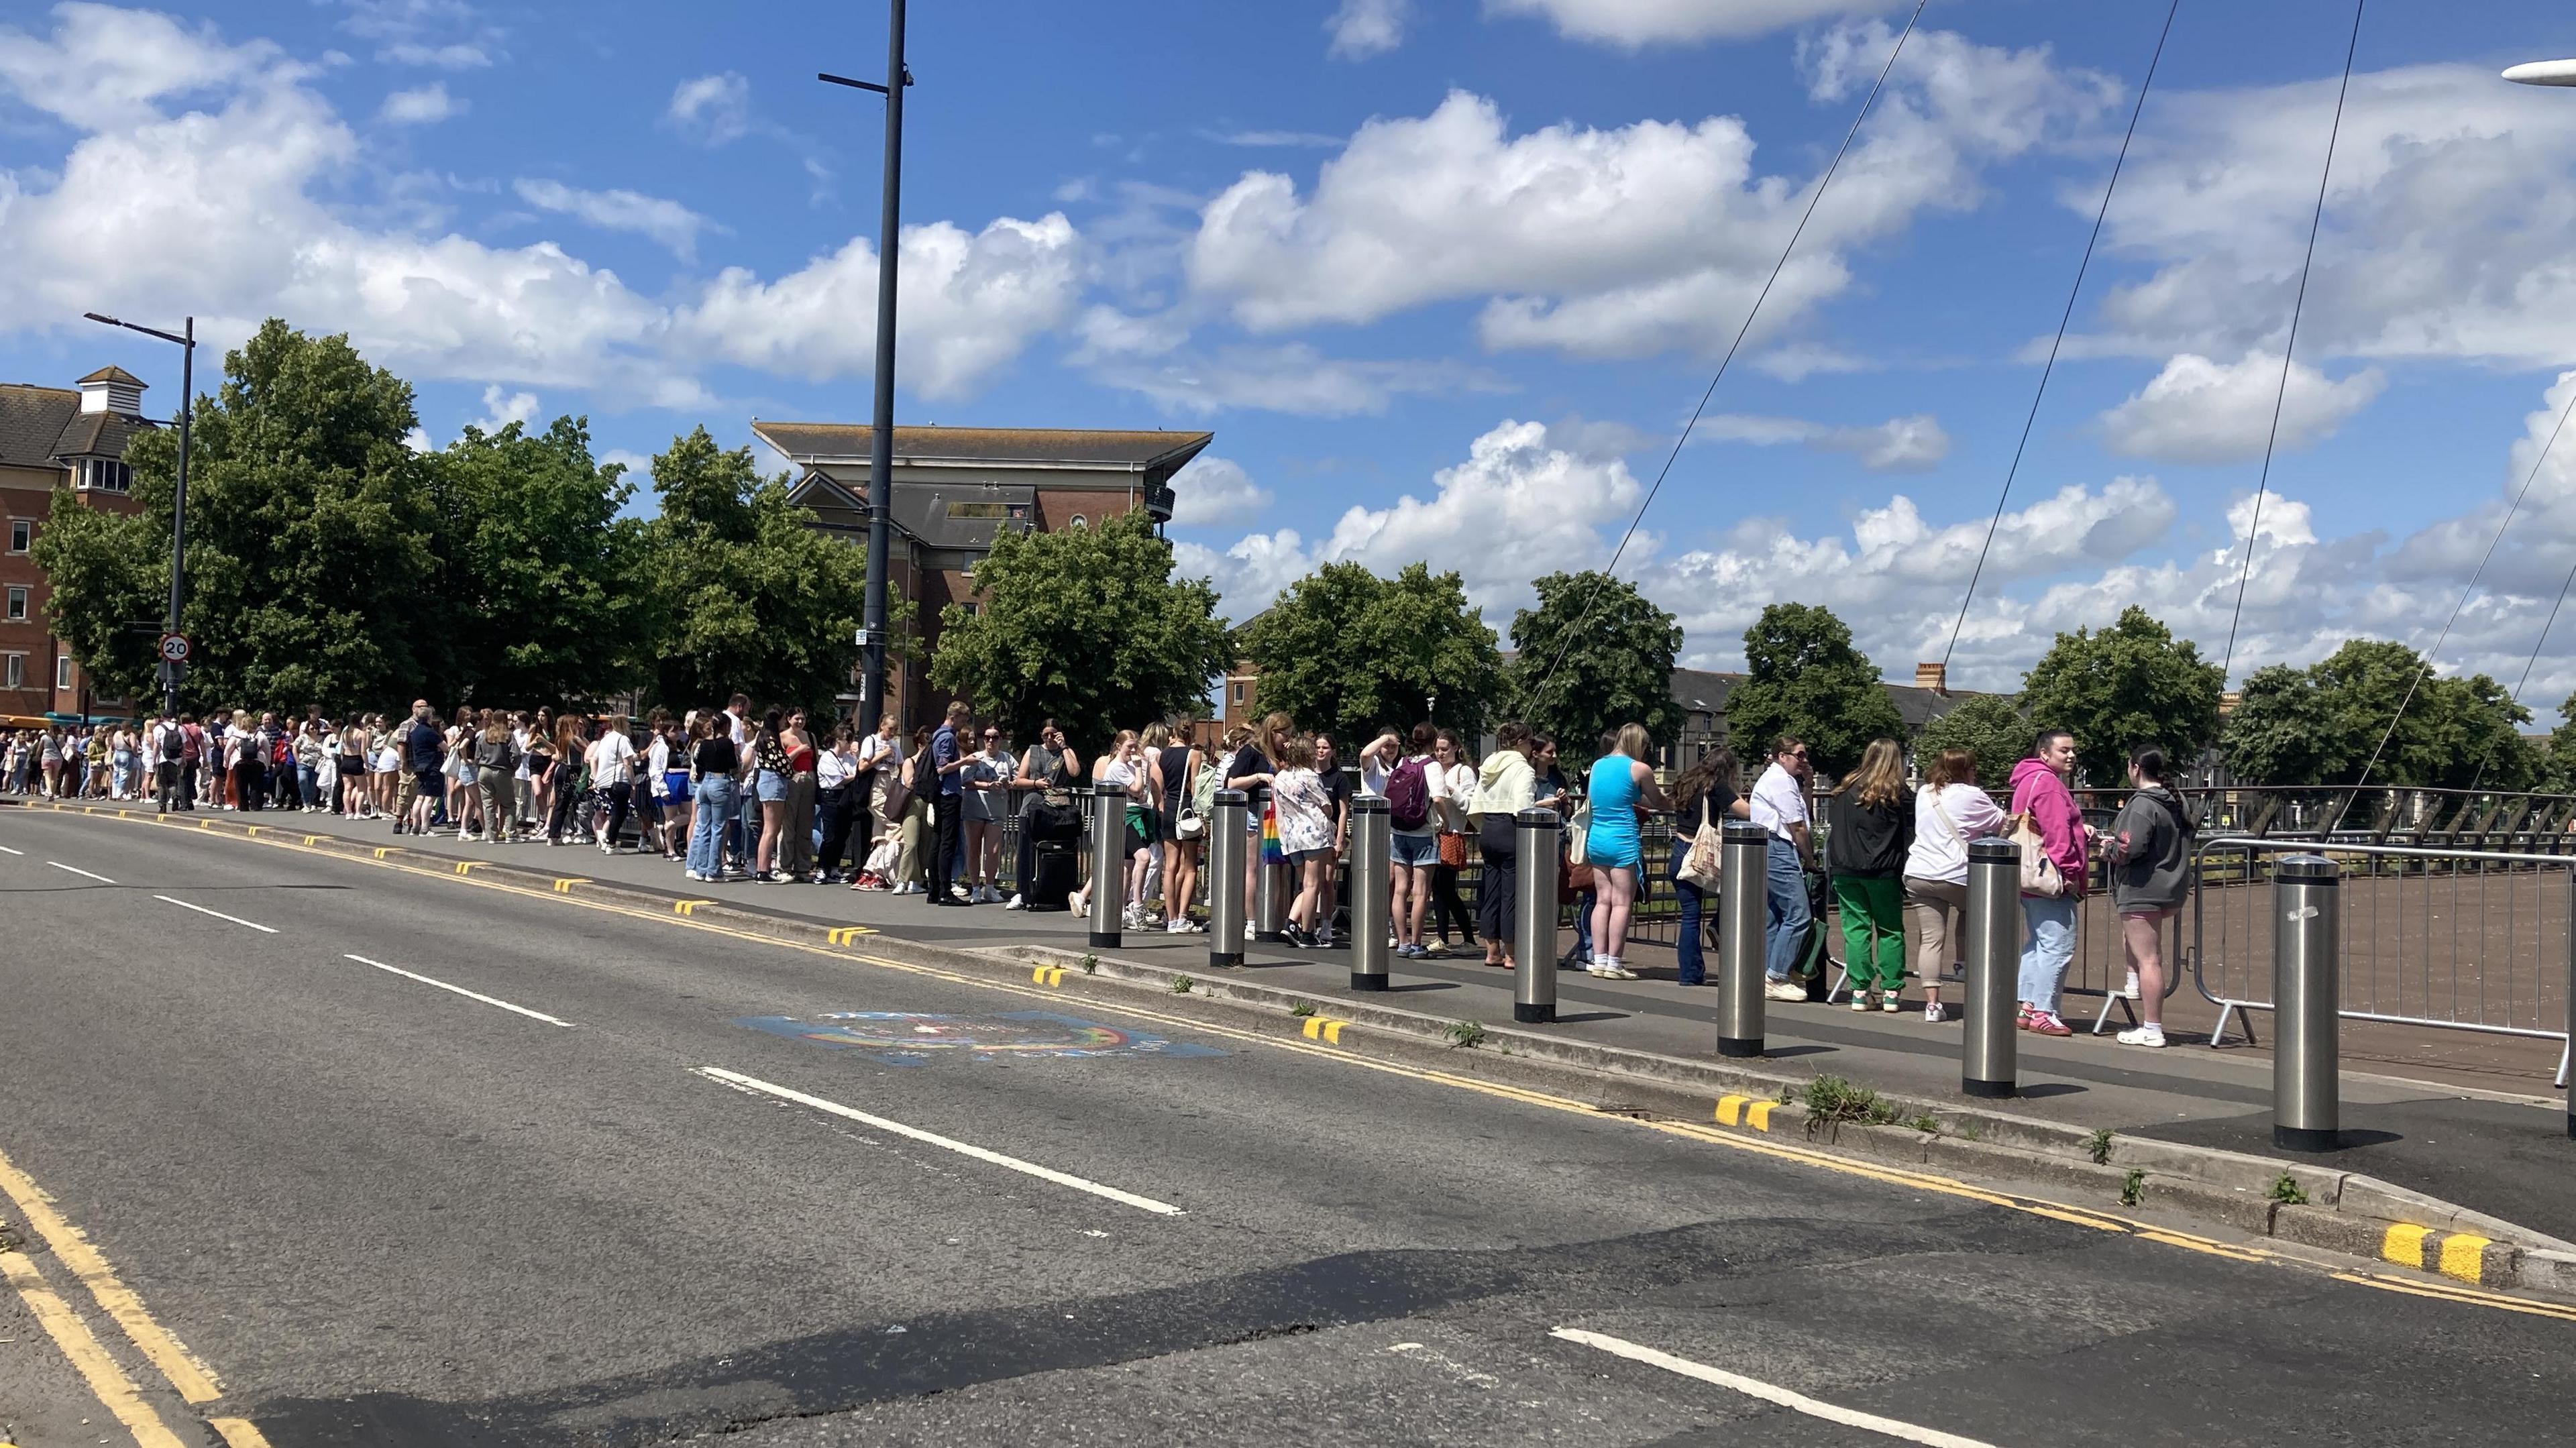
(2039, 791)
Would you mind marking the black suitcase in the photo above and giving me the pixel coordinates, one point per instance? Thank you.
(1054, 873)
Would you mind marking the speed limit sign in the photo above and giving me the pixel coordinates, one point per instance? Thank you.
(174, 648)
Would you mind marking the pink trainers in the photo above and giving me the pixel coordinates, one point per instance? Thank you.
(2046, 1023)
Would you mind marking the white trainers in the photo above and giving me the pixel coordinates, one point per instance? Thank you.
(1783, 990)
(2151, 1037)
(1933, 1015)
(1018, 902)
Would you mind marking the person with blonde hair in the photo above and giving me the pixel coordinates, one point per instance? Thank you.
(1622, 784)
(1869, 831)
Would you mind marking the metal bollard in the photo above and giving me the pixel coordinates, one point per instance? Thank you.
(1372, 844)
(1108, 872)
(1534, 835)
(1742, 882)
(1989, 1046)
(1272, 893)
(1225, 879)
(2306, 1057)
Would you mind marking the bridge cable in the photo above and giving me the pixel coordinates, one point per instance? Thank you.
(2253, 526)
(2062, 322)
(1530, 693)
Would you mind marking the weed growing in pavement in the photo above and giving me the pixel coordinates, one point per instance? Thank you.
(1788, 1092)
(1971, 1131)
(2098, 1147)
(1181, 984)
(2287, 1191)
(1926, 1124)
(1091, 965)
(1466, 1035)
(2133, 1188)
(1302, 1008)
(1831, 1100)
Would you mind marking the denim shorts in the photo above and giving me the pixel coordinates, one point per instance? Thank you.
(772, 787)
(1418, 852)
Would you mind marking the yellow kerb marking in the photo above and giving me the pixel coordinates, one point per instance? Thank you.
(105, 1378)
(2464, 1256)
(2404, 1245)
(564, 885)
(1730, 1110)
(1325, 1029)
(468, 867)
(194, 1382)
(251, 830)
(1758, 1115)
(312, 839)
(849, 935)
(688, 907)
(384, 850)
(1048, 975)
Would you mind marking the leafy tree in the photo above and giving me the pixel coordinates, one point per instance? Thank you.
(742, 593)
(1805, 677)
(2323, 724)
(1347, 651)
(2555, 766)
(1594, 655)
(311, 563)
(2130, 684)
(1085, 626)
(1991, 727)
(543, 568)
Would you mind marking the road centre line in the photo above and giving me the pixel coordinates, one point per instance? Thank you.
(218, 914)
(77, 870)
(1767, 1392)
(5, 850)
(931, 1138)
(460, 990)
(1914, 1181)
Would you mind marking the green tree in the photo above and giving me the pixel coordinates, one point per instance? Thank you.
(311, 563)
(2130, 684)
(742, 593)
(1347, 651)
(1595, 654)
(1087, 627)
(2324, 724)
(2555, 761)
(1991, 727)
(2277, 733)
(1805, 677)
(543, 568)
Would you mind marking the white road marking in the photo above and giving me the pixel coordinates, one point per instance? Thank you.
(1062, 1179)
(1756, 1388)
(5, 850)
(460, 990)
(218, 914)
(77, 870)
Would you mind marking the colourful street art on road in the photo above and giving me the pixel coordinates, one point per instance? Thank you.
(915, 1038)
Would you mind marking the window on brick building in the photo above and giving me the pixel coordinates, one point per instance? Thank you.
(62, 671)
(17, 605)
(13, 671)
(106, 475)
(22, 534)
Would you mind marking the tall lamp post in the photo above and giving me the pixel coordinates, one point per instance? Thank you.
(2543, 72)
(872, 631)
(186, 338)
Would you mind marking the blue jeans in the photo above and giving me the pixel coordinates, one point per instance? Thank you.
(1687, 959)
(706, 830)
(2050, 951)
(1784, 925)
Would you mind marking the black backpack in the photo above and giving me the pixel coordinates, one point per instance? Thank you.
(174, 743)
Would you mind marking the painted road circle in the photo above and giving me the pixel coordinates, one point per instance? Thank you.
(917, 1038)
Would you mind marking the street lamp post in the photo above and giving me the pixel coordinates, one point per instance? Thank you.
(186, 339)
(872, 633)
(2543, 72)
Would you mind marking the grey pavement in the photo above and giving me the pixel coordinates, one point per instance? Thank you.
(388, 1212)
(2494, 1143)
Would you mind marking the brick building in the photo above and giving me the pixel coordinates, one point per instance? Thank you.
(52, 437)
(956, 489)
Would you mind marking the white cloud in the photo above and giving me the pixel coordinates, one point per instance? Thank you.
(667, 222)
(1272, 138)
(434, 34)
(1637, 23)
(712, 109)
(1621, 242)
(1291, 377)
(229, 211)
(500, 411)
(420, 106)
(2447, 229)
(1214, 490)
(2200, 411)
(1362, 28)
(970, 304)
(437, 57)
(1912, 444)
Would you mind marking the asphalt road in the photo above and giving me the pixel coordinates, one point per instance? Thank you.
(386, 1212)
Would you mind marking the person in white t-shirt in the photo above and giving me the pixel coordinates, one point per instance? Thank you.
(1949, 811)
(1780, 806)
(612, 772)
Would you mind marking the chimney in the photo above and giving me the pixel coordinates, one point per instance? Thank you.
(2228, 701)
(1935, 677)
(112, 389)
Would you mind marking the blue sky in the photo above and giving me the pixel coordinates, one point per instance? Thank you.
(1444, 278)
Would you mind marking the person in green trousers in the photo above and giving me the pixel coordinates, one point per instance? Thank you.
(1871, 830)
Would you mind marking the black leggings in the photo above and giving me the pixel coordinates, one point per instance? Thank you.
(616, 796)
(1496, 889)
(1447, 906)
(836, 805)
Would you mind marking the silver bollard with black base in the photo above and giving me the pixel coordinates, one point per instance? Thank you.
(1108, 873)
(1372, 846)
(1989, 1049)
(1272, 894)
(2307, 896)
(1741, 879)
(1226, 840)
(1534, 917)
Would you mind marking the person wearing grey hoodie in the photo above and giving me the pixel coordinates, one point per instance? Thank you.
(2149, 859)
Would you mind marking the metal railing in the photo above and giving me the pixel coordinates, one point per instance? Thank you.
(2449, 939)
(2510, 820)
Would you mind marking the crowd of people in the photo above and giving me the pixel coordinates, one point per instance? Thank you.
(780, 798)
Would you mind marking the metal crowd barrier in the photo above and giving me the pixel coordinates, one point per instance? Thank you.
(2449, 939)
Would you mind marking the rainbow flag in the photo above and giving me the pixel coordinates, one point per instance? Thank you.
(1271, 854)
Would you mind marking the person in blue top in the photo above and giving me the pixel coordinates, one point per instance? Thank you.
(949, 758)
(1622, 784)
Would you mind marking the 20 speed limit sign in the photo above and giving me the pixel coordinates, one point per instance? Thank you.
(174, 648)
